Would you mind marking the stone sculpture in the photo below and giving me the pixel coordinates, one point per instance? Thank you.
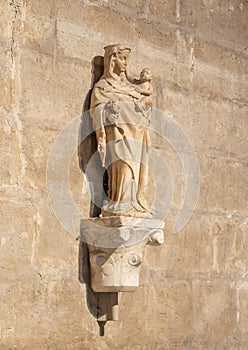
(120, 111)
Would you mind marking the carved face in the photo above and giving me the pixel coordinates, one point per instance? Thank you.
(120, 62)
(146, 75)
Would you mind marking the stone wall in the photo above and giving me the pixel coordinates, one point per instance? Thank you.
(194, 289)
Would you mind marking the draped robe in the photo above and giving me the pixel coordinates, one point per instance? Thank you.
(124, 145)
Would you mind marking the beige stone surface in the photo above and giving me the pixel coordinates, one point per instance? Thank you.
(193, 293)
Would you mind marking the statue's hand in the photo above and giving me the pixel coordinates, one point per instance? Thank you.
(113, 110)
(113, 107)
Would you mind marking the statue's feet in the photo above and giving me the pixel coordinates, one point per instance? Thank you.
(131, 213)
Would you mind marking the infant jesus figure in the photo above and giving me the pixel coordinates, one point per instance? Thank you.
(144, 86)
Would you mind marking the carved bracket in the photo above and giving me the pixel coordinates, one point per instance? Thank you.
(116, 248)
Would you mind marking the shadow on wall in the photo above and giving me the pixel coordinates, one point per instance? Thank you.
(86, 149)
(87, 143)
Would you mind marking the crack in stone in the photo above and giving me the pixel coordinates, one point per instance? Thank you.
(15, 85)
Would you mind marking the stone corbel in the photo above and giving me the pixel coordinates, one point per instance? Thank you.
(116, 248)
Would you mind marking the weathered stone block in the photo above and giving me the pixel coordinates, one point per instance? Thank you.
(220, 20)
(221, 123)
(17, 237)
(214, 310)
(47, 90)
(230, 173)
(40, 8)
(40, 34)
(234, 235)
(36, 146)
(163, 10)
(242, 312)
(5, 78)
(6, 23)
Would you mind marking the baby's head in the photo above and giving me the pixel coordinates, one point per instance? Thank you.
(146, 75)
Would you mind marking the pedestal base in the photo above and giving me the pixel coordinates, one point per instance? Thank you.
(116, 248)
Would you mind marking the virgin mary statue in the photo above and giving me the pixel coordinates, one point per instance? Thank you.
(120, 122)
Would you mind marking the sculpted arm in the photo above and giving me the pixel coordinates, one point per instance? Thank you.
(146, 90)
